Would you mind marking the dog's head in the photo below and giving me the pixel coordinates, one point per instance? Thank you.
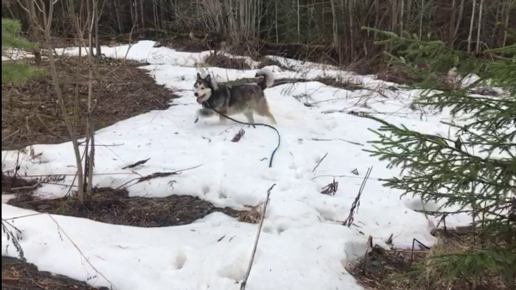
(203, 88)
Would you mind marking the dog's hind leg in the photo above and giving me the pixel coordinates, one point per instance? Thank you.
(263, 110)
(222, 119)
(249, 116)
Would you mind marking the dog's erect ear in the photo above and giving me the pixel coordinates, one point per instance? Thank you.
(199, 76)
(208, 78)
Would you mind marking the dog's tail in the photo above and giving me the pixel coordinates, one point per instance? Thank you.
(268, 78)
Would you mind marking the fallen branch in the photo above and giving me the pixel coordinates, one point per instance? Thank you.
(244, 282)
(320, 161)
(31, 187)
(141, 162)
(10, 135)
(108, 145)
(155, 175)
(73, 174)
(346, 176)
(369, 246)
(421, 245)
(277, 82)
(14, 235)
(337, 139)
(331, 188)
(349, 220)
(238, 136)
(331, 82)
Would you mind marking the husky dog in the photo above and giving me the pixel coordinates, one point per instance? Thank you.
(231, 100)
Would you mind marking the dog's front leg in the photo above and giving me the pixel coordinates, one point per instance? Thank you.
(222, 119)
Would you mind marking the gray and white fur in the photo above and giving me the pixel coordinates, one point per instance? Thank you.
(244, 99)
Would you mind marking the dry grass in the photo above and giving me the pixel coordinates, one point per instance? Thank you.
(116, 207)
(253, 215)
(13, 184)
(341, 83)
(222, 61)
(17, 275)
(404, 269)
(266, 61)
(396, 74)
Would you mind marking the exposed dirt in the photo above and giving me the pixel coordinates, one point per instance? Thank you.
(17, 275)
(31, 113)
(116, 207)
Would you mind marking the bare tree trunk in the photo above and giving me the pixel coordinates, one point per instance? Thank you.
(421, 18)
(377, 16)
(141, 13)
(409, 10)
(46, 29)
(452, 24)
(402, 15)
(459, 20)
(89, 160)
(337, 31)
(276, 20)
(351, 29)
(470, 35)
(96, 19)
(32, 20)
(298, 22)
(394, 15)
(506, 23)
(480, 10)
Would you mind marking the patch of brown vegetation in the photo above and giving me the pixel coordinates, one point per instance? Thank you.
(398, 75)
(184, 44)
(17, 275)
(31, 114)
(407, 269)
(15, 184)
(266, 61)
(253, 215)
(222, 61)
(340, 83)
(116, 207)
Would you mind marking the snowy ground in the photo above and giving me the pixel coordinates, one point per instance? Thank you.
(303, 246)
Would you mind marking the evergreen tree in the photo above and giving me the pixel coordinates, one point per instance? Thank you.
(476, 168)
(15, 70)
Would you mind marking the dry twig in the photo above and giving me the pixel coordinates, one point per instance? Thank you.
(238, 136)
(246, 277)
(141, 162)
(81, 253)
(349, 220)
(155, 175)
(320, 161)
(331, 188)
